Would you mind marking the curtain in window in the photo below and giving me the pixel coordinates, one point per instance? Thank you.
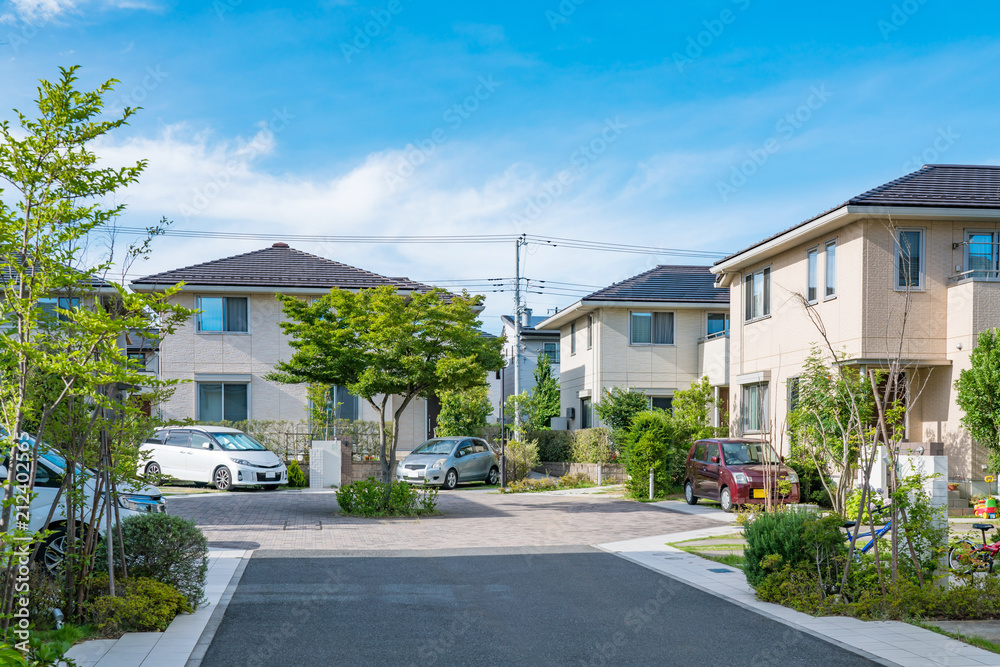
(235, 402)
(831, 268)
(765, 277)
(663, 328)
(642, 328)
(754, 408)
(236, 314)
(210, 402)
(813, 264)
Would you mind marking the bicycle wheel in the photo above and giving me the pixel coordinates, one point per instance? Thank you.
(962, 557)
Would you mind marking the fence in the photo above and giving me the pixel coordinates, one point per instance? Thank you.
(611, 473)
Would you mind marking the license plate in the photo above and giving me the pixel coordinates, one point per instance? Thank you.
(759, 493)
(271, 475)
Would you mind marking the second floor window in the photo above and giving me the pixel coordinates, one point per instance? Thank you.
(981, 254)
(49, 305)
(572, 338)
(909, 259)
(758, 294)
(590, 331)
(812, 289)
(831, 269)
(718, 325)
(551, 351)
(223, 313)
(652, 329)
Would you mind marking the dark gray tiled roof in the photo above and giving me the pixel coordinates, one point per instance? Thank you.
(278, 267)
(692, 284)
(531, 331)
(933, 185)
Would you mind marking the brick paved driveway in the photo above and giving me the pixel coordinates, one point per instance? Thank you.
(468, 519)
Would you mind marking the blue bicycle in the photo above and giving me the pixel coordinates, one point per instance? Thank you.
(880, 510)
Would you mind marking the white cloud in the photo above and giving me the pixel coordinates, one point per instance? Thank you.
(44, 11)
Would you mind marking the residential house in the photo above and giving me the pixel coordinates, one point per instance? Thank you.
(535, 343)
(235, 340)
(908, 270)
(656, 332)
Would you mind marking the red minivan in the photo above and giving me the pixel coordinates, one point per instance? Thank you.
(732, 471)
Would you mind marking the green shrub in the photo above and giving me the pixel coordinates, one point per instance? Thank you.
(648, 444)
(522, 456)
(556, 446)
(164, 547)
(777, 537)
(145, 605)
(367, 498)
(573, 481)
(853, 503)
(41, 653)
(592, 445)
(296, 478)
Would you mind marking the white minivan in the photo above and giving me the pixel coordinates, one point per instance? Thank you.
(215, 455)
(137, 498)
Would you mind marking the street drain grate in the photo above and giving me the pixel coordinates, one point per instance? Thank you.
(719, 570)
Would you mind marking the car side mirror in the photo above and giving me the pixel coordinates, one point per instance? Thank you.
(206, 445)
(715, 459)
(781, 459)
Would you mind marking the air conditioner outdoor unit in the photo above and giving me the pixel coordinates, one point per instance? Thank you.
(570, 413)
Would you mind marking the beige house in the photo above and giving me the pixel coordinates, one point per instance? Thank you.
(224, 352)
(923, 248)
(656, 332)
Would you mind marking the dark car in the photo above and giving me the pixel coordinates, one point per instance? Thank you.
(733, 472)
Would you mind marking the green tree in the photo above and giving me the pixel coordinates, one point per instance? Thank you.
(379, 344)
(617, 408)
(544, 397)
(62, 370)
(649, 444)
(979, 394)
(693, 409)
(464, 412)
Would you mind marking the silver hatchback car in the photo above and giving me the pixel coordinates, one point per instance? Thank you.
(445, 462)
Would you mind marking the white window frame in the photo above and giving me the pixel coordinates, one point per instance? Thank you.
(897, 250)
(748, 303)
(197, 397)
(765, 407)
(994, 253)
(572, 338)
(724, 333)
(590, 332)
(197, 303)
(830, 286)
(652, 316)
(812, 275)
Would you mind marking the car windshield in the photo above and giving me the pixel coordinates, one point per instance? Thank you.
(435, 447)
(747, 453)
(238, 442)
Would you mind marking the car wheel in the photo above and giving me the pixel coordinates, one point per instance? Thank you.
(271, 487)
(223, 479)
(726, 499)
(689, 494)
(450, 480)
(153, 473)
(53, 552)
(493, 478)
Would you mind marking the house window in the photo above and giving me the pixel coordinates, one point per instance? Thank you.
(49, 306)
(909, 259)
(551, 351)
(661, 403)
(758, 294)
(572, 338)
(223, 313)
(812, 289)
(586, 413)
(590, 331)
(981, 254)
(793, 393)
(223, 402)
(343, 404)
(138, 359)
(652, 329)
(718, 325)
(753, 411)
(831, 269)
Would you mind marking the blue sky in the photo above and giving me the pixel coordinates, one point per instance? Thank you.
(277, 118)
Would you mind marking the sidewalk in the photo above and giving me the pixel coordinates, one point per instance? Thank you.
(173, 647)
(885, 642)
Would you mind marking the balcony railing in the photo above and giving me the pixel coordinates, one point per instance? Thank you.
(976, 274)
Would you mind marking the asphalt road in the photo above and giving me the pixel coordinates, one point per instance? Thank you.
(526, 606)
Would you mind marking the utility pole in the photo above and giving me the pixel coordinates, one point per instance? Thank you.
(517, 331)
